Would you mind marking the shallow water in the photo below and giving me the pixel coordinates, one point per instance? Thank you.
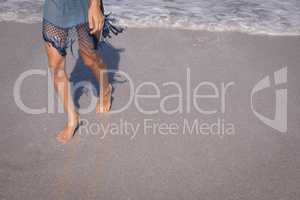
(274, 17)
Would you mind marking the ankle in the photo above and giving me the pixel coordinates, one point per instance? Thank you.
(72, 124)
(73, 120)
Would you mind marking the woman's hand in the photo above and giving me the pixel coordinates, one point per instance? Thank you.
(95, 17)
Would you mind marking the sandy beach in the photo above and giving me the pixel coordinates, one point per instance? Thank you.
(219, 146)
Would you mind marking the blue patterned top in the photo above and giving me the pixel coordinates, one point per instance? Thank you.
(66, 13)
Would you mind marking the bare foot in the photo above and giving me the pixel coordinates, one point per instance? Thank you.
(104, 103)
(67, 133)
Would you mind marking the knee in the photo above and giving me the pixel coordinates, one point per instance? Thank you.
(56, 63)
(89, 62)
(92, 61)
(56, 66)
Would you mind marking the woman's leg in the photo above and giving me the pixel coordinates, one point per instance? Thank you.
(56, 64)
(94, 62)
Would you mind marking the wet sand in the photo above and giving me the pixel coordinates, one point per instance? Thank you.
(229, 153)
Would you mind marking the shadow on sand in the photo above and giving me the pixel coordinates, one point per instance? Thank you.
(82, 77)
